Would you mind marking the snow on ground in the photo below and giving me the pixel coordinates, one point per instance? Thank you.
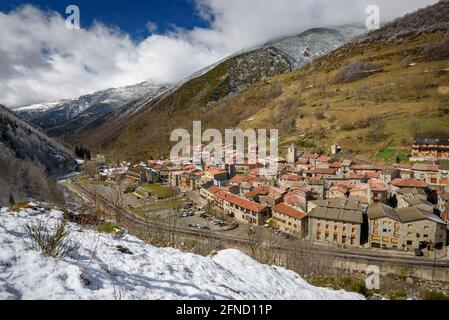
(149, 273)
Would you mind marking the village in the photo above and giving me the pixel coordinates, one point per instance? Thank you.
(324, 199)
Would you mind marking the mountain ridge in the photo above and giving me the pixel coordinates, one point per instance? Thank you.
(220, 81)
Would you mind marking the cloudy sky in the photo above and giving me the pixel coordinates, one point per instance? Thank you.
(158, 41)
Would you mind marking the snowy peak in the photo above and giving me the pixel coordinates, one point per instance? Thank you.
(314, 43)
(54, 114)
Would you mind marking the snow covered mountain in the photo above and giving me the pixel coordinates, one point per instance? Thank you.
(85, 109)
(314, 43)
(98, 270)
(113, 108)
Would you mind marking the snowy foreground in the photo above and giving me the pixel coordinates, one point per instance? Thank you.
(149, 273)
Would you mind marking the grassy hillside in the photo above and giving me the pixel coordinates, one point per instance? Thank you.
(396, 88)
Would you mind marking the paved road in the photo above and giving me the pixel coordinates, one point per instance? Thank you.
(349, 254)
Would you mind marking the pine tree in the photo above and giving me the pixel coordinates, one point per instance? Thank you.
(11, 200)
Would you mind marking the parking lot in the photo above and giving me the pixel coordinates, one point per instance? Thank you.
(195, 217)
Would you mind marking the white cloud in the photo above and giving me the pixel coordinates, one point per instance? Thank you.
(41, 60)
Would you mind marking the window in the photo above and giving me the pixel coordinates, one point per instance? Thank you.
(409, 243)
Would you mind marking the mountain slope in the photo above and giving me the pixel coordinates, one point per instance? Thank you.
(396, 89)
(197, 95)
(97, 270)
(67, 116)
(27, 157)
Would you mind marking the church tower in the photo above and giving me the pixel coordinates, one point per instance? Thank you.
(291, 155)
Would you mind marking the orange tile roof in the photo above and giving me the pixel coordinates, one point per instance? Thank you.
(377, 185)
(426, 167)
(330, 171)
(341, 189)
(324, 159)
(258, 191)
(409, 183)
(216, 171)
(336, 165)
(246, 204)
(290, 177)
(285, 209)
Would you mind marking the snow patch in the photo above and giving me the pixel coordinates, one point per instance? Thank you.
(147, 273)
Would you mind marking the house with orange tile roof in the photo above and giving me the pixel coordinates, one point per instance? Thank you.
(243, 210)
(397, 184)
(290, 220)
(377, 191)
(321, 173)
(291, 181)
(297, 198)
(340, 190)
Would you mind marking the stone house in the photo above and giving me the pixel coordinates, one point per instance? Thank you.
(321, 173)
(405, 228)
(337, 221)
(407, 197)
(398, 184)
(430, 149)
(443, 206)
(316, 188)
(289, 220)
(427, 173)
(291, 181)
(243, 210)
(297, 198)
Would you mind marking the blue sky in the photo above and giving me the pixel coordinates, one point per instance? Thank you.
(131, 16)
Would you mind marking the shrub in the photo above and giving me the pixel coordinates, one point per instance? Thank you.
(347, 283)
(306, 144)
(398, 295)
(51, 242)
(108, 227)
(356, 70)
(320, 115)
(292, 103)
(434, 295)
(437, 50)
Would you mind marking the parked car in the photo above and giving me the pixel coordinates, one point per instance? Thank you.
(419, 253)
